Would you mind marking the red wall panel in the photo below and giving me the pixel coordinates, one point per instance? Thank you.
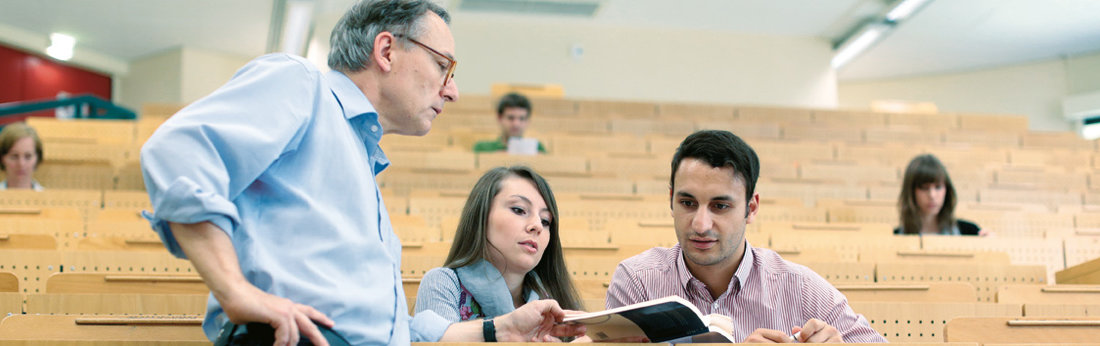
(25, 76)
(44, 78)
(11, 74)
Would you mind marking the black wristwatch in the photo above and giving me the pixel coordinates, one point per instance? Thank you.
(489, 330)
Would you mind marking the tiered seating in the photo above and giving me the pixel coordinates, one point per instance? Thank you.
(829, 183)
(85, 154)
(87, 295)
(923, 321)
(11, 300)
(1053, 301)
(116, 304)
(935, 292)
(106, 328)
(1022, 330)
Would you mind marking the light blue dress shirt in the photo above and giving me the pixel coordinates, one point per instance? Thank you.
(283, 159)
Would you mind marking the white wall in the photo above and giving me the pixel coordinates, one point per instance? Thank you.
(152, 79)
(643, 63)
(205, 71)
(633, 63)
(1083, 73)
(1033, 89)
(179, 75)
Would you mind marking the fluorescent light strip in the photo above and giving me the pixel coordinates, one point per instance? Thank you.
(1090, 132)
(870, 35)
(61, 46)
(904, 9)
(299, 16)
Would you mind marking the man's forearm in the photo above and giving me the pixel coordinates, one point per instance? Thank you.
(211, 252)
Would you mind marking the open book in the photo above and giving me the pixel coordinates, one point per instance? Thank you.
(661, 320)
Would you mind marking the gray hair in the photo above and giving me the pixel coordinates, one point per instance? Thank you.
(352, 40)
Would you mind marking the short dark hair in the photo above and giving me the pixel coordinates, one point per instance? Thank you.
(352, 40)
(513, 100)
(720, 148)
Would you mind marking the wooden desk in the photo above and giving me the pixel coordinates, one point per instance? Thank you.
(1087, 273)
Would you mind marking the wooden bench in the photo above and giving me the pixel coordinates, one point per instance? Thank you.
(10, 241)
(116, 303)
(986, 278)
(105, 328)
(30, 267)
(937, 292)
(1086, 273)
(844, 272)
(125, 283)
(1052, 294)
(923, 321)
(125, 262)
(11, 303)
(1022, 330)
(1061, 310)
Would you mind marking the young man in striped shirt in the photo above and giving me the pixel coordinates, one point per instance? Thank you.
(712, 196)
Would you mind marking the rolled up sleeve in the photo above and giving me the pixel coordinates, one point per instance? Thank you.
(427, 326)
(201, 158)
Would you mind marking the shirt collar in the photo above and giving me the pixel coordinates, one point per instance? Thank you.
(739, 276)
(745, 268)
(361, 113)
(485, 283)
(682, 269)
(349, 95)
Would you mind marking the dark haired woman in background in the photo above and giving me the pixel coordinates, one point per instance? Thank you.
(927, 201)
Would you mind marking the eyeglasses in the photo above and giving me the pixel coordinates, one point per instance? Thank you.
(451, 63)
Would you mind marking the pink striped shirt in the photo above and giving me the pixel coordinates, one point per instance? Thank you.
(765, 292)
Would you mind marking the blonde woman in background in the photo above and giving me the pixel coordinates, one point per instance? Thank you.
(22, 151)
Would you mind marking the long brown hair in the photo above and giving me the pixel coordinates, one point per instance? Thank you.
(471, 242)
(925, 169)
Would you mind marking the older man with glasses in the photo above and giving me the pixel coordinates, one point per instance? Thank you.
(267, 186)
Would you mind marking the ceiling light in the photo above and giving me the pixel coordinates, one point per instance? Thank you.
(856, 44)
(61, 46)
(904, 9)
(576, 8)
(298, 25)
(1090, 129)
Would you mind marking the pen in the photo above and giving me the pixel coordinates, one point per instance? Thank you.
(794, 338)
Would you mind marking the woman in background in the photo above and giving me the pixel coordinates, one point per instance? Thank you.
(22, 151)
(506, 251)
(927, 201)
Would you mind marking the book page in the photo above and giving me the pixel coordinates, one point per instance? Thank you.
(523, 146)
(611, 327)
(659, 320)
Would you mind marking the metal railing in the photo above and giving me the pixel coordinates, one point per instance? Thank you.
(86, 106)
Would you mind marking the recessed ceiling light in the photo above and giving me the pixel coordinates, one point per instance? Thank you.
(61, 46)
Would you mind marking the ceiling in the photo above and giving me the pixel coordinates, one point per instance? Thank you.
(946, 36)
